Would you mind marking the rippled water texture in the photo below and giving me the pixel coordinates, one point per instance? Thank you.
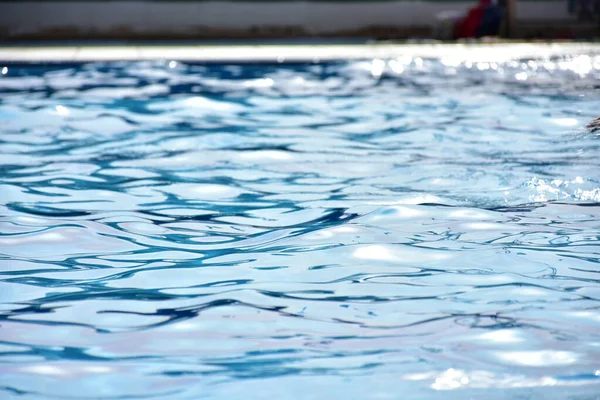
(386, 229)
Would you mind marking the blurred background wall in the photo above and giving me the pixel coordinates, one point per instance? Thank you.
(200, 19)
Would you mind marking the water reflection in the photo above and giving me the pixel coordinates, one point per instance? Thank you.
(356, 229)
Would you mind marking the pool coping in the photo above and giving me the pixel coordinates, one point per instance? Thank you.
(285, 53)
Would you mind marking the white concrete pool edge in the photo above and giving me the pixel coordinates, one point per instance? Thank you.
(490, 52)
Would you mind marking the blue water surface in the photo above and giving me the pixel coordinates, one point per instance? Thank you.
(380, 229)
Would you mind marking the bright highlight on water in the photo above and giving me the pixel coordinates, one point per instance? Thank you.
(392, 228)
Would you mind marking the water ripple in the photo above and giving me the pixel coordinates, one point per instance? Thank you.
(181, 231)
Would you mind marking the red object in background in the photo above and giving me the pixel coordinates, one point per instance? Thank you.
(564, 34)
(467, 27)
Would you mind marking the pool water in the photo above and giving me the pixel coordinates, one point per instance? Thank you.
(380, 229)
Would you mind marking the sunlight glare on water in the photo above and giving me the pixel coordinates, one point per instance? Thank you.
(382, 229)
